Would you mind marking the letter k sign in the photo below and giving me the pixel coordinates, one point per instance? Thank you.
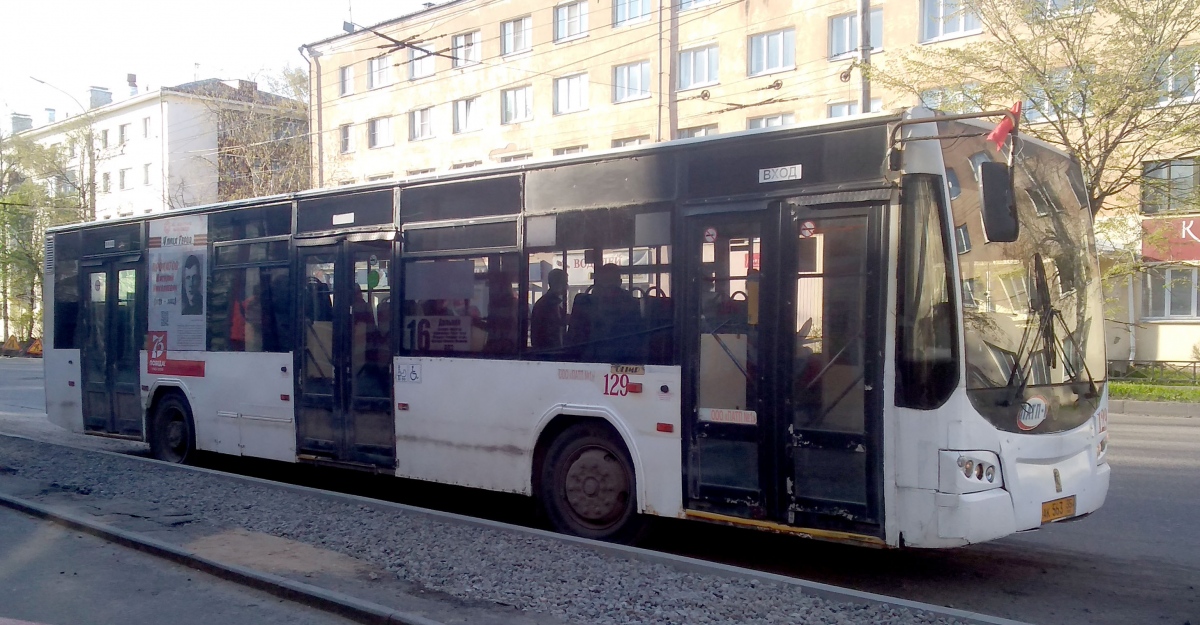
(1187, 231)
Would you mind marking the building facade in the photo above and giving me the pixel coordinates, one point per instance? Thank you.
(474, 82)
(163, 149)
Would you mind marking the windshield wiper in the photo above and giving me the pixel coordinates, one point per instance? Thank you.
(1039, 307)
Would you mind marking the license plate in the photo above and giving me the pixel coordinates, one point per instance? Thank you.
(1058, 509)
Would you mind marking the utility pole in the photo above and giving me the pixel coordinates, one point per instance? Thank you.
(864, 54)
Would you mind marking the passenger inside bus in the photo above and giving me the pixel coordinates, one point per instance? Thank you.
(549, 318)
(606, 323)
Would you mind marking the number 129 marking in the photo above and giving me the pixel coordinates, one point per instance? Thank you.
(616, 384)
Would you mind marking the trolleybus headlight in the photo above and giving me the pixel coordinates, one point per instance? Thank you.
(964, 472)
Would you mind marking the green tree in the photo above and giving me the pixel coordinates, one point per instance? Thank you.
(1111, 82)
(37, 190)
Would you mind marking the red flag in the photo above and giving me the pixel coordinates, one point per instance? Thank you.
(1005, 127)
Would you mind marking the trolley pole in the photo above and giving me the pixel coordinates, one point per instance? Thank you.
(864, 54)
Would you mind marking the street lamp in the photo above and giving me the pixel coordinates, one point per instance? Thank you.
(89, 210)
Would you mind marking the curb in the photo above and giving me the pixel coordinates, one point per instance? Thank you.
(299, 592)
(827, 592)
(1154, 408)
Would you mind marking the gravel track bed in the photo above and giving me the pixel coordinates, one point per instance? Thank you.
(531, 573)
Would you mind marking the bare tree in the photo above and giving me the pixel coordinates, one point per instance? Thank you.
(262, 134)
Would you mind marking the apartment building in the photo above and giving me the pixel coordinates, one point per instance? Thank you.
(161, 149)
(474, 82)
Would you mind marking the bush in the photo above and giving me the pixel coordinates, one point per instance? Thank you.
(1153, 392)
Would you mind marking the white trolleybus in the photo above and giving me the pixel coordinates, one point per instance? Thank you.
(882, 330)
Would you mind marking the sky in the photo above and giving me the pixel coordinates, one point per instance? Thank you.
(76, 44)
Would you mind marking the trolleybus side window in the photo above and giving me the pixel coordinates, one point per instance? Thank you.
(249, 296)
(461, 305)
(926, 363)
(599, 287)
(66, 290)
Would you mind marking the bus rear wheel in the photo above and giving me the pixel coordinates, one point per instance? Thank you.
(172, 434)
(587, 485)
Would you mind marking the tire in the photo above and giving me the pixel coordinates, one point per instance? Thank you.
(588, 486)
(172, 431)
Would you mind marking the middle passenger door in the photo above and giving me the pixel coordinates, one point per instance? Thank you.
(344, 354)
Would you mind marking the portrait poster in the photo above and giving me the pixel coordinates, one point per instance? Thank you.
(178, 282)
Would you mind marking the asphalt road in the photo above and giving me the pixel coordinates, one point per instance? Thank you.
(59, 577)
(1136, 560)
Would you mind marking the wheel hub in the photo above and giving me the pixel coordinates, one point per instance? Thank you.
(597, 487)
(175, 434)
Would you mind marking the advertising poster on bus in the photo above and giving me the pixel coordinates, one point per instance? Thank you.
(178, 262)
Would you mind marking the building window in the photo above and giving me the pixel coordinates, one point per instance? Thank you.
(377, 72)
(467, 116)
(104, 138)
(623, 143)
(346, 80)
(146, 174)
(466, 164)
(1170, 186)
(420, 124)
(516, 35)
(772, 52)
(697, 131)
(122, 134)
(843, 34)
(1042, 106)
(1180, 75)
(1065, 7)
(625, 11)
(962, 238)
(570, 20)
(574, 149)
(343, 183)
(843, 109)
(570, 94)
(379, 132)
(962, 99)
(631, 82)
(145, 129)
(698, 67)
(770, 120)
(947, 18)
(105, 182)
(346, 138)
(420, 62)
(123, 179)
(419, 172)
(1169, 292)
(466, 49)
(516, 105)
(684, 5)
(379, 177)
(512, 158)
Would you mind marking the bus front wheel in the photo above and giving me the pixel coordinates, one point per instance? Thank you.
(172, 435)
(587, 484)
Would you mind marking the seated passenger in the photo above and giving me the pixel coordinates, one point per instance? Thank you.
(606, 324)
(549, 318)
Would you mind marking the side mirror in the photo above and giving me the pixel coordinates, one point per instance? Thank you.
(1000, 223)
